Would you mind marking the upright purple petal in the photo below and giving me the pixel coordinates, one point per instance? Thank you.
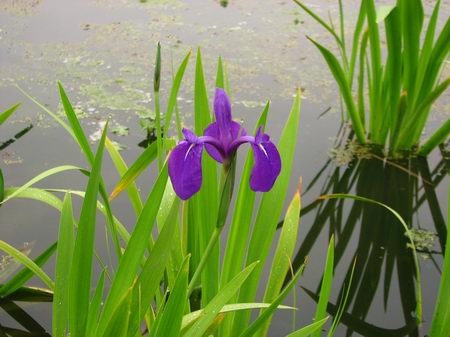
(267, 166)
(190, 136)
(185, 169)
(222, 109)
(213, 131)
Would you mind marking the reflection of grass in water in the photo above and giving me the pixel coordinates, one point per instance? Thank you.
(382, 247)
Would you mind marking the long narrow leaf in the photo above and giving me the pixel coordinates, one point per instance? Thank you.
(141, 163)
(267, 313)
(82, 141)
(325, 288)
(147, 285)
(172, 316)
(95, 305)
(282, 258)
(309, 329)
(174, 93)
(131, 259)
(438, 137)
(208, 194)
(346, 92)
(269, 213)
(42, 176)
(216, 304)
(121, 166)
(18, 280)
(6, 114)
(62, 269)
(118, 322)
(81, 269)
(440, 326)
(27, 262)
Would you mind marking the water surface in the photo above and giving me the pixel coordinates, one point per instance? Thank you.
(103, 53)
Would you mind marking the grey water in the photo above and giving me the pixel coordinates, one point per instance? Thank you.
(103, 53)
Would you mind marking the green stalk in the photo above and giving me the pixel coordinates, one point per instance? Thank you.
(356, 38)
(208, 250)
(342, 32)
(158, 130)
(376, 114)
(156, 85)
(227, 184)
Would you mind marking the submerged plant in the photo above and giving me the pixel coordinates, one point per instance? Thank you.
(221, 140)
(402, 90)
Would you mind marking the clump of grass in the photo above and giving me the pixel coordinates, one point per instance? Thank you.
(403, 86)
(172, 282)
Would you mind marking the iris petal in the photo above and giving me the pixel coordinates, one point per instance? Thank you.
(222, 110)
(213, 131)
(185, 169)
(267, 166)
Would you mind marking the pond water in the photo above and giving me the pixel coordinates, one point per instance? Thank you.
(103, 52)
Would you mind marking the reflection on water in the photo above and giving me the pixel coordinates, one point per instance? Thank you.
(24, 324)
(384, 259)
(5, 143)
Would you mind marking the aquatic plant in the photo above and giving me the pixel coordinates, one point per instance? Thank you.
(173, 282)
(402, 90)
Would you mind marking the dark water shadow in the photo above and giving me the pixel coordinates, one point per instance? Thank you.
(17, 136)
(25, 324)
(383, 256)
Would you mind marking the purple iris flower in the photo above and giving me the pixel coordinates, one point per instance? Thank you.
(221, 140)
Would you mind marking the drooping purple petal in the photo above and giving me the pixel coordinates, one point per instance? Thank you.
(267, 166)
(185, 169)
(213, 131)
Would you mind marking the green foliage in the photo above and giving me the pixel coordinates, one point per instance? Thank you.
(268, 214)
(83, 251)
(24, 275)
(309, 330)
(403, 85)
(285, 249)
(440, 325)
(325, 288)
(62, 269)
(8, 113)
(3, 117)
(154, 278)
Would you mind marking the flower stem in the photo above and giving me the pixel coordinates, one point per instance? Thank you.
(156, 84)
(212, 242)
(226, 187)
(158, 130)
